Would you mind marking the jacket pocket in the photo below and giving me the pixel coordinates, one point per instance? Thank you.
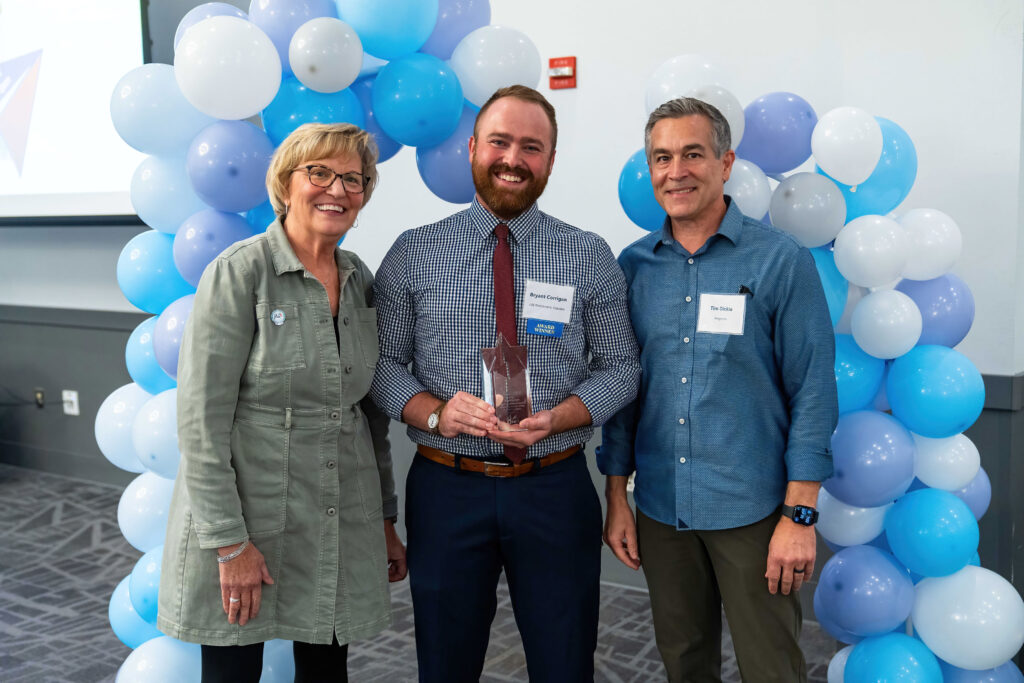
(259, 455)
(278, 342)
(367, 332)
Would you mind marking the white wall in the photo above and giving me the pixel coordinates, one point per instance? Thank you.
(947, 71)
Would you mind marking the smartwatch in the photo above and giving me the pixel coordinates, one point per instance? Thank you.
(434, 419)
(801, 514)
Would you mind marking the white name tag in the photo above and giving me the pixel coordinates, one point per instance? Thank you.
(722, 313)
(543, 301)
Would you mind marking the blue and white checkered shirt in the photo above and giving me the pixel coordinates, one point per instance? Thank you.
(435, 311)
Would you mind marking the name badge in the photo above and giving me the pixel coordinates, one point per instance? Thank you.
(722, 313)
(547, 307)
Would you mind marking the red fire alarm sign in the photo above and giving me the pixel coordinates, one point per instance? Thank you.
(562, 72)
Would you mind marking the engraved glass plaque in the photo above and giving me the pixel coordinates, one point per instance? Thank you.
(506, 382)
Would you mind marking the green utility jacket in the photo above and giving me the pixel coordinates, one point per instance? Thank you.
(279, 444)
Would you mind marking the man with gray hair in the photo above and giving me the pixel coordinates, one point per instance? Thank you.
(729, 437)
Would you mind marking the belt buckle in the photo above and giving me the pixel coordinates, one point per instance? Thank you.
(488, 464)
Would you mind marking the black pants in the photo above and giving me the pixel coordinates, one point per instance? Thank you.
(244, 663)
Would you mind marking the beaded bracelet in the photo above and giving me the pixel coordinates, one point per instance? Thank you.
(234, 553)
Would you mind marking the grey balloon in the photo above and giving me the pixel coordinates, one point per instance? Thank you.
(810, 207)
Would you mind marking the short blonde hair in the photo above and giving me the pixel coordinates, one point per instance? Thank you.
(319, 141)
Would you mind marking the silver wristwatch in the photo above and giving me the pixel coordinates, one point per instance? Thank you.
(434, 420)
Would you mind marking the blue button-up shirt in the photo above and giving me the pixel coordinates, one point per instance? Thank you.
(435, 310)
(724, 421)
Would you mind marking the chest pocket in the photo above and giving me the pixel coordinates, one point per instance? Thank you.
(278, 342)
(366, 329)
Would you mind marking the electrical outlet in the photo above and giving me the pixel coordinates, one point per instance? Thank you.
(40, 396)
(70, 399)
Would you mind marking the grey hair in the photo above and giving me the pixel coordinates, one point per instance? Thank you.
(721, 138)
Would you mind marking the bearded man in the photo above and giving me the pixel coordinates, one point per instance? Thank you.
(481, 498)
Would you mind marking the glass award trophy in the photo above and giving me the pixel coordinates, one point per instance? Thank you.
(506, 383)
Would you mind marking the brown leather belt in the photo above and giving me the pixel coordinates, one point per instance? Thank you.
(493, 469)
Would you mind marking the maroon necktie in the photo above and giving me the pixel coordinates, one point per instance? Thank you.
(505, 307)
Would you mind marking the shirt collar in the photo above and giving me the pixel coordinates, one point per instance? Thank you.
(519, 227)
(285, 260)
(730, 228)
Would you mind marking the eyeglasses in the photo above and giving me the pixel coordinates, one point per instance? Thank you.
(321, 176)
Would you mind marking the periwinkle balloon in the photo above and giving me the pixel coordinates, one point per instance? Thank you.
(935, 391)
(144, 584)
(142, 511)
(227, 165)
(279, 19)
(748, 187)
(386, 147)
(162, 660)
(809, 207)
(946, 305)
(858, 374)
(170, 327)
(873, 459)
(865, 590)
(1004, 673)
(260, 217)
(977, 494)
(636, 195)
(827, 622)
(417, 100)
(140, 359)
(455, 20)
(832, 281)
(445, 168)
(932, 532)
(130, 628)
(777, 134)
(161, 193)
(892, 657)
(113, 426)
(390, 29)
(203, 236)
(155, 434)
(146, 272)
(205, 11)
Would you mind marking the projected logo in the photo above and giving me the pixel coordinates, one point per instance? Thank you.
(18, 78)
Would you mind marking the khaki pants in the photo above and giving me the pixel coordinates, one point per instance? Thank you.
(691, 575)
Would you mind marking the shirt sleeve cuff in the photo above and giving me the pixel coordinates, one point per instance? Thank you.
(612, 462)
(400, 387)
(808, 465)
(220, 535)
(595, 399)
(390, 507)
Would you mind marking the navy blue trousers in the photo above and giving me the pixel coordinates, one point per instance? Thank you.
(543, 529)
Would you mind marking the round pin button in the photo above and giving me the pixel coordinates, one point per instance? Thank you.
(331, 512)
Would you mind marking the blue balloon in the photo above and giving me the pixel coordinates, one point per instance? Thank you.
(295, 104)
(935, 391)
(417, 100)
(279, 19)
(777, 132)
(202, 237)
(835, 285)
(162, 194)
(455, 20)
(445, 168)
(858, 375)
(278, 662)
(144, 584)
(825, 620)
(873, 459)
(636, 194)
(227, 165)
(170, 327)
(947, 308)
(865, 591)
(1005, 673)
(977, 494)
(260, 218)
(386, 147)
(205, 11)
(932, 532)
(141, 360)
(892, 658)
(890, 182)
(162, 660)
(146, 272)
(390, 29)
(128, 626)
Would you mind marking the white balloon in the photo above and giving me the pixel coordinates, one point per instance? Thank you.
(837, 665)
(678, 76)
(871, 250)
(227, 67)
(973, 619)
(748, 186)
(725, 102)
(844, 524)
(325, 54)
(854, 294)
(493, 57)
(886, 324)
(935, 243)
(113, 426)
(847, 144)
(948, 464)
(155, 434)
(143, 509)
(810, 207)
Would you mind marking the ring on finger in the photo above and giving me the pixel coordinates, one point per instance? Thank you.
(234, 600)
(799, 571)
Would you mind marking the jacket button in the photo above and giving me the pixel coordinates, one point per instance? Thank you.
(331, 512)
(330, 464)
(335, 414)
(348, 369)
(332, 369)
(344, 321)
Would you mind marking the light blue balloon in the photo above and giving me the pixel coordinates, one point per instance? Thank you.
(205, 11)
(146, 272)
(130, 628)
(1005, 673)
(150, 113)
(295, 104)
(636, 194)
(260, 218)
(892, 658)
(170, 328)
(162, 194)
(455, 20)
(162, 660)
(279, 19)
(873, 459)
(113, 426)
(417, 100)
(141, 360)
(390, 29)
(155, 435)
(144, 584)
(866, 591)
(832, 281)
(445, 168)
(143, 509)
(278, 662)
(935, 391)
(227, 165)
(386, 147)
(858, 375)
(932, 532)
(203, 236)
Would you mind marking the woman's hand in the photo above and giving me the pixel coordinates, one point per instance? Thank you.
(397, 569)
(241, 583)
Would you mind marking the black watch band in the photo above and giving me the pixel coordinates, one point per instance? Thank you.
(801, 514)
